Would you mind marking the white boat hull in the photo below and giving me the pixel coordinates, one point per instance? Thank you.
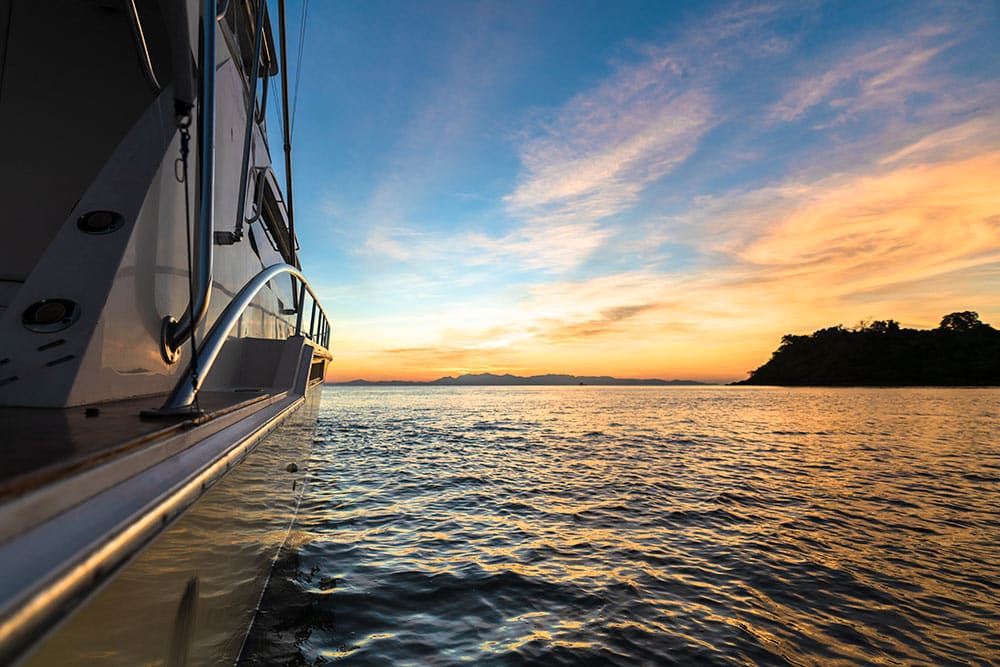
(190, 596)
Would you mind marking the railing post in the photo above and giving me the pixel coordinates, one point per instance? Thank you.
(248, 130)
(288, 131)
(312, 321)
(175, 333)
(301, 308)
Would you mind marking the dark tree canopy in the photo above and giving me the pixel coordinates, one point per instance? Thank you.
(967, 320)
(962, 351)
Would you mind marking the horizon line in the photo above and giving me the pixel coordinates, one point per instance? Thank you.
(488, 378)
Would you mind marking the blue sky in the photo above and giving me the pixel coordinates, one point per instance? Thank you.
(640, 188)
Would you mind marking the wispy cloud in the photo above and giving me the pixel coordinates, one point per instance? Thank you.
(443, 110)
(552, 248)
(951, 143)
(854, 233)
(605, 146)
(889, 75)
(593, 158)
(396, 243)
(929, 209)
(588, 163)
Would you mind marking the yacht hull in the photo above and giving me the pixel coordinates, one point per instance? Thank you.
(189, 597)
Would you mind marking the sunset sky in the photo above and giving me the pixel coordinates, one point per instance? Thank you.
(640, 189)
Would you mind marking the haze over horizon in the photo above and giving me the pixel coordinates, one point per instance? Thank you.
(500, 379)
(659, 191)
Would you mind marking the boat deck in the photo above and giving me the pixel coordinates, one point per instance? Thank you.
(41, 445)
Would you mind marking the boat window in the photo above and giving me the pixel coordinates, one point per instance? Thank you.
(276, 223)
(241, 19)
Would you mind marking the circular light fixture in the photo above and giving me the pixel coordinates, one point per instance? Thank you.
(100, 222)
(49, 315)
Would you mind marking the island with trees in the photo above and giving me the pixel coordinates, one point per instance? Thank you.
(962, 351)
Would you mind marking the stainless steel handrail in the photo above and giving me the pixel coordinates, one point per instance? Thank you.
(259, 174)
(289, 206)
(140, 41)
(248, 130)
(176, 332)
(184, 392)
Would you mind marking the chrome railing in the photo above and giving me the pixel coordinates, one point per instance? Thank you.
(237, 234)
(175, 332)
(140, 43)
(184, 392)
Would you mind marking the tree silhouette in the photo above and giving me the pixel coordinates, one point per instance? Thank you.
(884, 327)
(962, 351)
(966, 320)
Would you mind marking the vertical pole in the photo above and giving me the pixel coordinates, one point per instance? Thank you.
(174, 334)
(293, 260)
(312, 321)
(298, 318)
(248, 130)
(206, 170)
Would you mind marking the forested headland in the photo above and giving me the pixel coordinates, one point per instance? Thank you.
(962, 351)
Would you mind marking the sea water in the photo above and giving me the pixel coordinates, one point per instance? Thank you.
(647, 525)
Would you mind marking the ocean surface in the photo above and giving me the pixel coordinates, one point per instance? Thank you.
(614, 525)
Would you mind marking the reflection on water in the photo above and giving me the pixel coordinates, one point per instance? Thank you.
(591, 525)
(189, 597)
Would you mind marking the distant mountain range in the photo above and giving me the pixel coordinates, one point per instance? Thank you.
(507, 380)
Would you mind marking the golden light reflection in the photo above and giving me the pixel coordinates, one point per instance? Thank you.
(719, 518)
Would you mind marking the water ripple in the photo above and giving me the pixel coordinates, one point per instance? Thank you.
(569, 526)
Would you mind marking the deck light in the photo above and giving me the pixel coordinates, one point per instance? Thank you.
(100, 222)
(49, 315)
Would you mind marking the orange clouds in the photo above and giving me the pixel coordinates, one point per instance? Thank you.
(906, 224)
(910, 238)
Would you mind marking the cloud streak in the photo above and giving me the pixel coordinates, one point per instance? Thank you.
(606, 146)
(894, 240)
(891, 75)
(916, 221)
(882, 78)
(593, 158)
